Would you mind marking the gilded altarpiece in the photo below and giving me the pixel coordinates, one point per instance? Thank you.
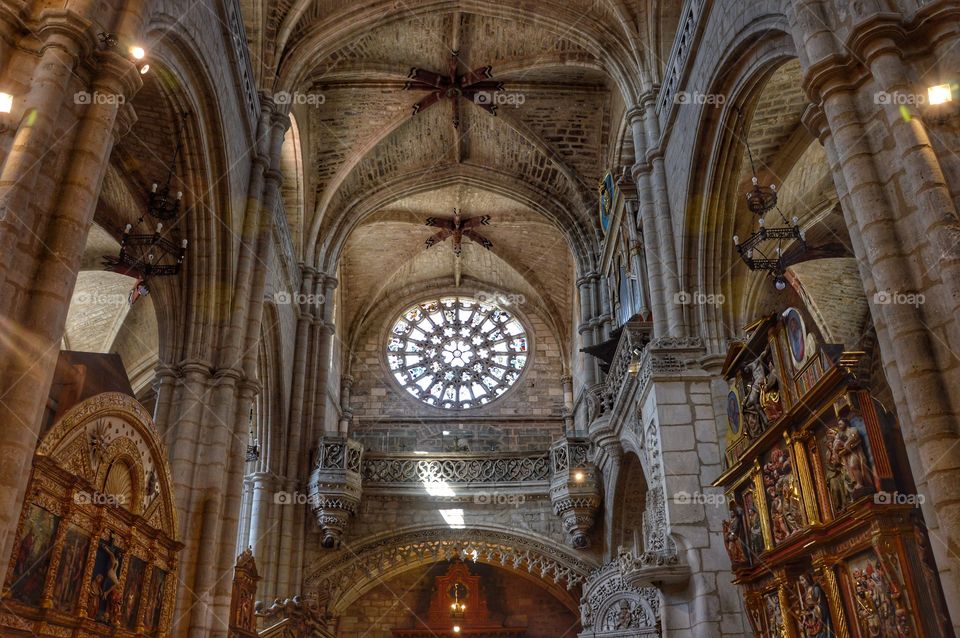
(824, 530)
(96, 549)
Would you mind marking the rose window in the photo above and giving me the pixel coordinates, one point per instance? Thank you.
(456, 352)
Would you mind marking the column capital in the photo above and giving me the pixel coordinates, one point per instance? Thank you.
(635, 113)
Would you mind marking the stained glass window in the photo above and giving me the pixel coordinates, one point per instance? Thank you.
(456, 352)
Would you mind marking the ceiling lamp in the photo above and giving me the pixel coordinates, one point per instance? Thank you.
(144, 254)
(764, 249)
(160, 204)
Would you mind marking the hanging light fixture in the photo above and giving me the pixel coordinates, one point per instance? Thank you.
(457, 609)
(160, 203)
(764, 249)
(144, 255)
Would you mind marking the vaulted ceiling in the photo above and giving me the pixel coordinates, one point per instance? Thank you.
(373, 172)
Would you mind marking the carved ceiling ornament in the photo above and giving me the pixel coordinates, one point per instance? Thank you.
(338, 580)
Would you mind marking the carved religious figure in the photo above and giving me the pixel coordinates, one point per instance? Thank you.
(762, 405)
(733, 535)
(849, 447)
(813, 612)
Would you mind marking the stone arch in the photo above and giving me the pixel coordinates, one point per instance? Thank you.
(581, 241)
(391, 553)
(620, 50)
(709, 258)
(292, 188)
(628, 505)
(186, 310)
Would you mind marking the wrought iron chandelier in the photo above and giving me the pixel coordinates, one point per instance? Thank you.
(160, 204)
(764, 249)
(144, 255)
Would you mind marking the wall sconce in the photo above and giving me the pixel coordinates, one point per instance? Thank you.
(6, 112)
(137, 55)
(941, 103)
(939, 94)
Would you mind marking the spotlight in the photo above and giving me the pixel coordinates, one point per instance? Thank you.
(144, 69)
(137, 52)
(578, 476)
(456, 629)
(939, 94)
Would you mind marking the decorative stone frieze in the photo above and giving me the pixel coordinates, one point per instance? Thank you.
(574, 489)
(456, 468)
(611, 607)
(335, 486)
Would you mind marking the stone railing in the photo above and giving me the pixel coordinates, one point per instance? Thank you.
(380, 470)
(626, 360)
(680, 53)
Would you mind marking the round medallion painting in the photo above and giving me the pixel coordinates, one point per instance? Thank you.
(733, 411)
(795, 335)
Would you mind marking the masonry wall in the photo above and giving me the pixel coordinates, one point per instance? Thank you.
(526, 417)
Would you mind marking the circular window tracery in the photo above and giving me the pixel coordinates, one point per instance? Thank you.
(456, 352)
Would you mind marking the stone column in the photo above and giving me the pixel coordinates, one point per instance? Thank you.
(591, 373)
(897, 223)
(646, 221)
(42, 237)
(657, 183)
(298, 428)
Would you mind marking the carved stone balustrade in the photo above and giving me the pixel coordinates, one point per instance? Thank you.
(574, 489)
(404, 470)
(336, 486)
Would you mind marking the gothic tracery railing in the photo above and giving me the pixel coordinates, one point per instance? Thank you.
(405, 469)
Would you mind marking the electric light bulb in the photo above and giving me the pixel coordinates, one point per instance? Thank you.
(159, 227)
(137, 52)
(736, 240)
(154, 188)
(780, 284)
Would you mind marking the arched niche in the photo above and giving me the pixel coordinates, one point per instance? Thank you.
(96, 545)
